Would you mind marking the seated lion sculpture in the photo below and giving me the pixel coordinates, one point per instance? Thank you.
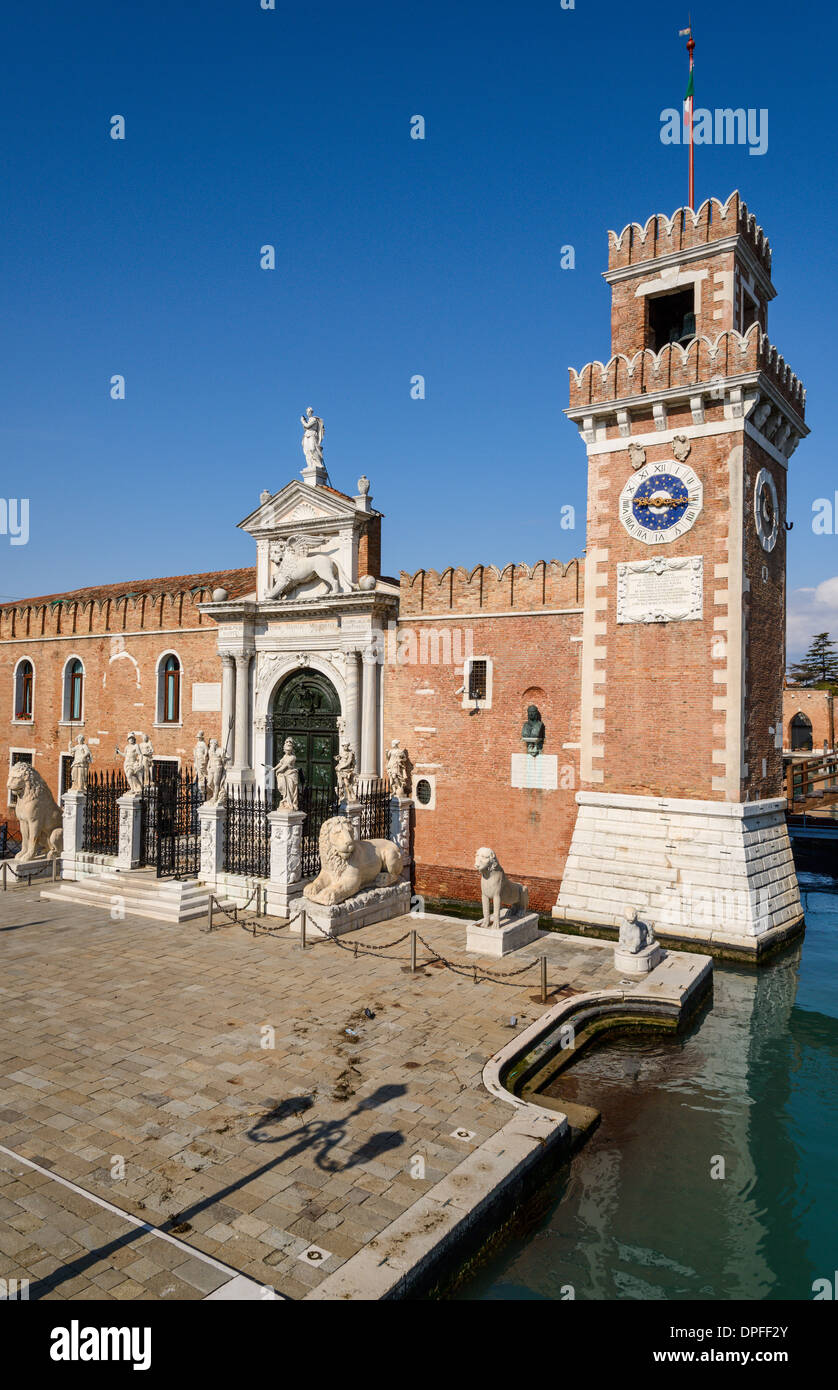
(348, 865)
(39, 816)
(496, 890)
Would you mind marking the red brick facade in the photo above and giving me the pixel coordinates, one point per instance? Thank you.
(121, 634)
(527, 624)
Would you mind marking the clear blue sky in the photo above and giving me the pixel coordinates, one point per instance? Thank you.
(394, 257)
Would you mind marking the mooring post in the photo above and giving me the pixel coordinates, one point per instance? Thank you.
(544, 979)
(413, 952)
(302, 928)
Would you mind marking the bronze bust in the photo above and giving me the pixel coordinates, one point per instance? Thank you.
(533, 731)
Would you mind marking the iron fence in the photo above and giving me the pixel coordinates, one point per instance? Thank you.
(319, 804)
(101, 813)
(247, 832)
(374, 796)
(170, 840)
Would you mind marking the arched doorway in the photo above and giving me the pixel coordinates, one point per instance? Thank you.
(305, 708)
(801, 733)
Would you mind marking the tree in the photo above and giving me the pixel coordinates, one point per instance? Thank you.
(819, 665)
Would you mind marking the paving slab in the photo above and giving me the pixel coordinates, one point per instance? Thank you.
(250, 1099)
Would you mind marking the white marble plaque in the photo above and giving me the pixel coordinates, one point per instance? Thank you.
(206, 695)
(541, 773)
(660, 591)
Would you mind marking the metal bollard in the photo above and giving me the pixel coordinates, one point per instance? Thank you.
(55, 870)
(413, 952)
(5, 866)
(302, 929)
(544, 979)
(209, 913)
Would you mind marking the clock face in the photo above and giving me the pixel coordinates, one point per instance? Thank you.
(660, 502)
(766, 510)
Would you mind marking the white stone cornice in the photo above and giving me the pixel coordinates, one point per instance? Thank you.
(705, 251)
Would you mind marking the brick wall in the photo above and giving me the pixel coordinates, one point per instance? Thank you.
(119, 633)
(534, 660)
(815, 704)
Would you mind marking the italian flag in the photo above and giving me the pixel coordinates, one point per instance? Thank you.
(688, 95)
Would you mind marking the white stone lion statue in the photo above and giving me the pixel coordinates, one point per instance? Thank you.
(298, 566)
(39, 816)
(348, 865)
(496, 890)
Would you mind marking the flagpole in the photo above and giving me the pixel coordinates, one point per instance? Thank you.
(688, 115)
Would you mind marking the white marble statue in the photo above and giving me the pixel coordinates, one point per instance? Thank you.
(133, 765)
(288, 778)
(41, 831)
(496, 890)
(397, 769)
(347, 778)
(200, 754)
(216, 772)
(147, 755)
(297, 566)
(80, 769)
(635, 935)
(313, 432)
(347, 865)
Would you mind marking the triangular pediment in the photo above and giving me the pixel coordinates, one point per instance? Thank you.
(298, 504)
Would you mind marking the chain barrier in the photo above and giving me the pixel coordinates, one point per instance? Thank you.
(477, 972)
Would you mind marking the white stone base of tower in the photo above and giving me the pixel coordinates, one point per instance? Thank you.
(719, 874)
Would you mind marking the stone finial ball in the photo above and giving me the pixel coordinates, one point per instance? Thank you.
(366, 582)
(363, 485)
(220, 595)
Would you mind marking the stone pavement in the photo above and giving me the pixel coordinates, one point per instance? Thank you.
(231, 1090)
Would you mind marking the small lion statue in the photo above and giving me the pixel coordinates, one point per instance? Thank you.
(36, 810)
(497, 890)
(347, 865)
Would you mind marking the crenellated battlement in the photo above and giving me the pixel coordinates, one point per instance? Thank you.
(701, 361)
(546, 584)
(686, 229)
(144, 606)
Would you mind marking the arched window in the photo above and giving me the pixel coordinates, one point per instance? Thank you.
(169, 691)
(801, 733)
(74, 691)
(24, 678)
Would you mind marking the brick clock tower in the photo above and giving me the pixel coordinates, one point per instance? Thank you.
(689, 429)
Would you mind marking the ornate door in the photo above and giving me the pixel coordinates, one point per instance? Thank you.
(306, 709)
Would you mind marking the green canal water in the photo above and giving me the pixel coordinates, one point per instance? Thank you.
(638, 1213)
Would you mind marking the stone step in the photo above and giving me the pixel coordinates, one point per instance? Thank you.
(163, 901)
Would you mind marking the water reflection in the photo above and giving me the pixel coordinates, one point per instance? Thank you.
(639, 1214)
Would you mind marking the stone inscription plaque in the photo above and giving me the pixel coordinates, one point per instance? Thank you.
(660, 591)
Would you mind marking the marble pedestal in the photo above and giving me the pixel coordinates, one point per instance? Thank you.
(373, 905)
(500, 941)
(637, 962)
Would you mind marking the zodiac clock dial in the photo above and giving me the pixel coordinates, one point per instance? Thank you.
(660, 502)
(766, 510)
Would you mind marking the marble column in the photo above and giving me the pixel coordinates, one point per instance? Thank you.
(353, 707)
(369, 715)
(228, 695)
(241, 761)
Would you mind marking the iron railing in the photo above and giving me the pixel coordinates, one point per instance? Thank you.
(374, 796)
(170, 840)
(247, 832)
(101, 813)
(319, 804)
